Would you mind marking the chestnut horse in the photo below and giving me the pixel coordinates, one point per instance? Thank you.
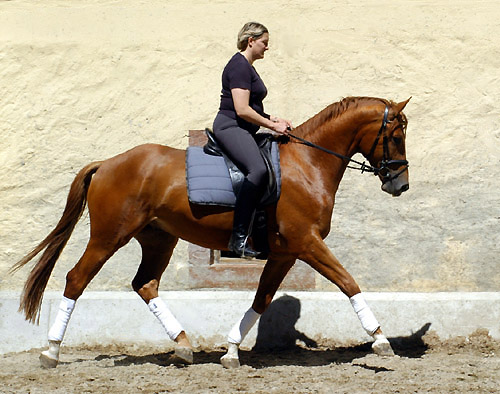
(142, 194)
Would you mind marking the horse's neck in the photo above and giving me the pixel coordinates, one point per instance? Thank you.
(339, 134)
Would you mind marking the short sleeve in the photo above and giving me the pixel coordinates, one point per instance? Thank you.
(240, 76)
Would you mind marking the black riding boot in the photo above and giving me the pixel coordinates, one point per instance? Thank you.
(244, 210)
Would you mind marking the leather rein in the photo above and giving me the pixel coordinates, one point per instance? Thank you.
(384, 170)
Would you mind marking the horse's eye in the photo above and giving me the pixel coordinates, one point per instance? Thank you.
(397, 140)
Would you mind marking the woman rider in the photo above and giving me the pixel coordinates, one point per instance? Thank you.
(240, 115)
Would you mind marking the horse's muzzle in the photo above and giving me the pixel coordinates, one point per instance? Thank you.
(397, 186)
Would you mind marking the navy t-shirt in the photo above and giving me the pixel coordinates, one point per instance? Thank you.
(239, 73)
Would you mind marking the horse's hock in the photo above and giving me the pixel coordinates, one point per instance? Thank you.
(210, 268)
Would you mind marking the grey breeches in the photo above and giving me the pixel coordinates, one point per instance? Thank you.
(241, 148)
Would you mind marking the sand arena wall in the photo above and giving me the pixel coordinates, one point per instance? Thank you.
(84, 81)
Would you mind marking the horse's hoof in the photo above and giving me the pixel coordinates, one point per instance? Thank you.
(46, 361)
(182, 355)
(382, 348)
(229, 362)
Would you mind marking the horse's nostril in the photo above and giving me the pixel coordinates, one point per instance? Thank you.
(405, 187)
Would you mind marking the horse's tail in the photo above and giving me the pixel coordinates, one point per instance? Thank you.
(54, 243)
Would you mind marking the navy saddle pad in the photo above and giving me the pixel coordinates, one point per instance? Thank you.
(209, 181)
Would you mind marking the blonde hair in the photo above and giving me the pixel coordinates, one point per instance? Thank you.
(250, 29)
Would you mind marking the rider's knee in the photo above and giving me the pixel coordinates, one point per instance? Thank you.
(258, 175)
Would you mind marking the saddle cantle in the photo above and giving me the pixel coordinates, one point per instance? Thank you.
(213, 179)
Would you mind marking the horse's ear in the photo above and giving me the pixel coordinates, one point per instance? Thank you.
(400, 106)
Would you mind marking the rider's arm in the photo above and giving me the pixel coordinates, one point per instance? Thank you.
(241, 99)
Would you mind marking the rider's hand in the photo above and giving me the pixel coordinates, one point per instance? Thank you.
(281, 126)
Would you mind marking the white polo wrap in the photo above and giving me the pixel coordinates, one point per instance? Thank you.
(240, 329)
(166, 318)
(56, 332)
(365, 315)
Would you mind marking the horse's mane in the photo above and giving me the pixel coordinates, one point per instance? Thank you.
(333, 111)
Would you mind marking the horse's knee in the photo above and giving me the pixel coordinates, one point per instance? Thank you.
(352, 291)
(260, 304)
(350, 287)
(259, 308)
(146, 290)
(271, 278)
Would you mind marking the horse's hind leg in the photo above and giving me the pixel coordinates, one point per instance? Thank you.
(94, 257)
(107, 236)
(157, 248)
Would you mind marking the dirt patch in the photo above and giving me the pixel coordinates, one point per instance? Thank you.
(422, 364)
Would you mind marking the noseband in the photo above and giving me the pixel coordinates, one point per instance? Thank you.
(384, 170)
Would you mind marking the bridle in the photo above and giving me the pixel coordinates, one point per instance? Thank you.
(384, 170)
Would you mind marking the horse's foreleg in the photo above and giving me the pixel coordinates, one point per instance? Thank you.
(319, 257)
(157, 248)
(273, 274)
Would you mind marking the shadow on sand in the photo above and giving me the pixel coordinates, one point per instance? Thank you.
(279, 343)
